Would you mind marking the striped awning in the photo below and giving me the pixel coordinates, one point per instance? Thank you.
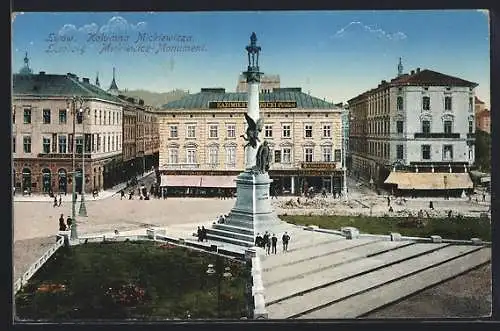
(429, 181)
(198, 181)
(218, 181)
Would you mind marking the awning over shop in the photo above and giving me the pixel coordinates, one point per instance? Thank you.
(180, 181)
(429, 181)
(218, 181)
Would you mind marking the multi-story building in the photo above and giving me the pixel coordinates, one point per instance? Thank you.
(42, 133)
(483, 120)
(200, 139)
(422, 121)
(267, 83)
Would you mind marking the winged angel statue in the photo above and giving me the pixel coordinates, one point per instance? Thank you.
(253, 130)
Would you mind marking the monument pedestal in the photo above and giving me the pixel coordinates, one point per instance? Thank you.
(251, 214)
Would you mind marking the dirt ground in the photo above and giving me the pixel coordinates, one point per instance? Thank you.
(468, 295)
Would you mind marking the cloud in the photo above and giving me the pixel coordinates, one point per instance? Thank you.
(485, 12)
(32, 43)
(380, 33)
(116, 24)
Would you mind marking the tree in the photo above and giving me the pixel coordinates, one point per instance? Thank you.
(483, 150)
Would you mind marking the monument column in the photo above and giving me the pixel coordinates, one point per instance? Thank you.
(292, 188)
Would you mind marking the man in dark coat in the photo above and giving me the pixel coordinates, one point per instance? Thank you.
(274, 241)
(203, 234)
(267, 242)
(199, 234)
(258, 240)
(285, 239)
(69, 221)
(62, 226)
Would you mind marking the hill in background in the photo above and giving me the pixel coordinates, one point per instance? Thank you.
(156, 99)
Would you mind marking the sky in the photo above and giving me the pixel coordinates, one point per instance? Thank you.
(335, 55)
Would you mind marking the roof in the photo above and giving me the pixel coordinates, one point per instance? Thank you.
(58, 85)
(477, 100)
(201, 100)
(421, 78)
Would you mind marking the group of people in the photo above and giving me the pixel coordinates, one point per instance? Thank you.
(269, 242)
(202, 234)
(144, 193)
(65, 226)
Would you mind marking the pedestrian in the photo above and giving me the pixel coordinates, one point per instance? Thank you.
(258, 240)
(431, 205)
(204, 234)
(122, 194)
(130, 194)
(388, 201)
(69, 222)
(55, 202)
(484, 197)
(62, 226)
(60, 200)
(274, 241)
(285, 239)
(199, 234)
(267, 242)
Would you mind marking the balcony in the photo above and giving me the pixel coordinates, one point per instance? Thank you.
(283, 166)
(437, 135)
(318, 165)
(63, 155)
(181, 166)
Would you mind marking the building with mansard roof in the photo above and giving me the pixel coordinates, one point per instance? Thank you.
(418, 122)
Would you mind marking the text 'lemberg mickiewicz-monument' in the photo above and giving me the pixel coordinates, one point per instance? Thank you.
(252, 212)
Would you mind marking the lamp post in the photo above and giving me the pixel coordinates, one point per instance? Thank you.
(344, 152)
(83, 209)
(72, 104)
(211, 271)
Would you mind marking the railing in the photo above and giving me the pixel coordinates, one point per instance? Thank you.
(18, 284)
(64, 155)
(180, 166)
(439, 135)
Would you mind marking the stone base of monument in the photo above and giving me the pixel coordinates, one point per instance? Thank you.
(251, 214)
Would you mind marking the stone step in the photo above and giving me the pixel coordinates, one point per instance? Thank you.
(333, 259)
(323, 278)
(313, 246)
(221, 239)
(361, 304)
(234, 228)
(230, 234)
(299, 305)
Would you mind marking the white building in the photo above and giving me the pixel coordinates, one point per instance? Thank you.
(417, 122)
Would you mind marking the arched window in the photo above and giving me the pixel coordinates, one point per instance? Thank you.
(26, 182)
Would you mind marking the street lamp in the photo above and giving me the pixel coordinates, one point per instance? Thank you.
(73, 104)
(343, 150)
(211, 271)
(83, 209)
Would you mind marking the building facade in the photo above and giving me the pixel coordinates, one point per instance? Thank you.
(42, 133)
(267, 83)
(201, 135)
(422, 121)
(483, 120)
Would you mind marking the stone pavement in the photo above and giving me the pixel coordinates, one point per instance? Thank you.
(341, 278)
(67, 198)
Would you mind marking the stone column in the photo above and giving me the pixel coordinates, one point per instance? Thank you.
(253, 112)
(292, 188)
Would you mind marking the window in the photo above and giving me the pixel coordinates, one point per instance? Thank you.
(447, 152)
(400, 103)
(287, 155)
(27, 144)
(109, 143)
(277, 156)
(231, 130)
(95, 116)
(112, 143)
(308, 131)
(104, 117)
(399, 126)
(13, 144)
(114, 118)
(191, 156)
(173, 131)
(173, 155)
(46, 116)
(338, 155)
(79, 145)
(327, 131)
(399, 152)
(62, 144)
(268, 131)
(98, 143)
(100, 117)
(448, 126)
(191, 131)
(27, 116)
(471, 126)
(426, 103)
(213, 155)
(308, 154)
(286, 131)
(109, 118)
(426, 126)
(447, 103)
(327, 154)
(46, 145)
(213, 131)
(79, 117)
(231, 155)
(471, 104)
(63, 116)
(471, 152)
(426, 152)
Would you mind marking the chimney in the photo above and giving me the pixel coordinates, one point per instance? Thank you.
(412, 72)
(42, 73)
(418, 70)
(86, 80)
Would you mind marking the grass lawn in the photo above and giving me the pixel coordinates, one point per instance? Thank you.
(131, 280)
(449, 228)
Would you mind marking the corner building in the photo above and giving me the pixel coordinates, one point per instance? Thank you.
(201, 144)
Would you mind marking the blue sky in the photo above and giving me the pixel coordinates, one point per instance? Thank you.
(335, 55)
